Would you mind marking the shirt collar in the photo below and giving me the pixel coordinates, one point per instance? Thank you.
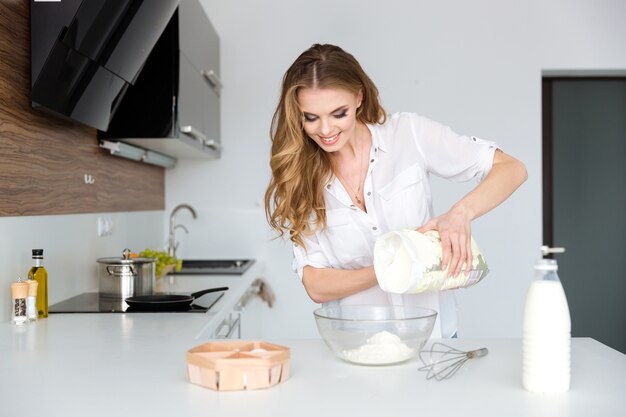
(377, 140)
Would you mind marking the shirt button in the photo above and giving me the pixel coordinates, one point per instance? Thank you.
(374, 228)
(369, 193)
(372, 160)
(328, 186)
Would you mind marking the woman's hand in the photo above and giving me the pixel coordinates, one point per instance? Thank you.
(456, 237)
(506, 174)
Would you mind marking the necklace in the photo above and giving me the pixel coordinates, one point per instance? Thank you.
(356, 193)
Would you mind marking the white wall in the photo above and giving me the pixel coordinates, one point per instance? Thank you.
(474, 65)
(71, 246)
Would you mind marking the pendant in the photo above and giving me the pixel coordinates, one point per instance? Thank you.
(358, 200)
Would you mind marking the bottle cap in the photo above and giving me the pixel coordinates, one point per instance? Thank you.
(37, 253)
(546, 250)
(19, 290)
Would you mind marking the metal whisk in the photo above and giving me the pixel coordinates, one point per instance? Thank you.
(442, 361)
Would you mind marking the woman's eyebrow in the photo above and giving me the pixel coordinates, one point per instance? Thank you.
(334, 111)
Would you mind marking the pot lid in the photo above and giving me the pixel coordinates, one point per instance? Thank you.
(126, 259)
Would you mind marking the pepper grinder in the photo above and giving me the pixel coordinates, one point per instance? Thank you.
(19, 293)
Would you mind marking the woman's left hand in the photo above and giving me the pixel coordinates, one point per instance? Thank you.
(455, 233)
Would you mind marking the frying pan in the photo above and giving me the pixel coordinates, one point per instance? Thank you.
(167, 302)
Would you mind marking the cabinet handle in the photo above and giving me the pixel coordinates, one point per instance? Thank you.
(212, 143)
(213, 79)
(197, 135)
(227, 328)
(234, 326)
(193, 133)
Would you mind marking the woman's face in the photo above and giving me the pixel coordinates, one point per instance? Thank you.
(329, 116)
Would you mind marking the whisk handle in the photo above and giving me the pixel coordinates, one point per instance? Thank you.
(478, 353)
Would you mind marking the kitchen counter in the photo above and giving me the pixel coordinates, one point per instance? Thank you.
(134, 364)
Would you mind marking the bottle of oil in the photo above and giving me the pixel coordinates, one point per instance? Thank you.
(39, 274)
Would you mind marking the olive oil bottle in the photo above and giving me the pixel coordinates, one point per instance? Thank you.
(38, 273)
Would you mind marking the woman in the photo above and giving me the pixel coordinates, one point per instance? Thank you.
(344, 173)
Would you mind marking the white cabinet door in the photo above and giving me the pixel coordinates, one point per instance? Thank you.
(251, 323)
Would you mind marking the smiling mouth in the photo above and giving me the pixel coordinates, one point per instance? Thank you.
(330, 139)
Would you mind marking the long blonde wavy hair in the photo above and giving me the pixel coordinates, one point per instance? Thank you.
(294, 200)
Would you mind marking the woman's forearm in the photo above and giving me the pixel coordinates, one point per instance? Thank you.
(327, 284)
(506, 175)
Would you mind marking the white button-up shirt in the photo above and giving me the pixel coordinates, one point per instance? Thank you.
(404, 152)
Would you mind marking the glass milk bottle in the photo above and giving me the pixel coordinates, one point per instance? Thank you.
(546, 331)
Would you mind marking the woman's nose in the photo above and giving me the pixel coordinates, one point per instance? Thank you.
(325, 127)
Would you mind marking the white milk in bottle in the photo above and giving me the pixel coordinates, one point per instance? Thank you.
(546, 331)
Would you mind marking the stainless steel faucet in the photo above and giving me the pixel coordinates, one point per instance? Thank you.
(172, 245)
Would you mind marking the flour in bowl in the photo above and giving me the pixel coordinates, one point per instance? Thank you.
(380, 349)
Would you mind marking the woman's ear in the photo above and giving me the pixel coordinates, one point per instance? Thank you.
(359, 98)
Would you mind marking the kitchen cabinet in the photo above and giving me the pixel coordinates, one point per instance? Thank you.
(243, 321)
(198, 108)
(198, 40)
(178, 91)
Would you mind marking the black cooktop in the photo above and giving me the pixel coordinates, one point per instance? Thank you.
(91, 302)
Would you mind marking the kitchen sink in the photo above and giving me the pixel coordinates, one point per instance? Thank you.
(214, 266)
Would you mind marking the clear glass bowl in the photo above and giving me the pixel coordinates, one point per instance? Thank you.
(375, 334)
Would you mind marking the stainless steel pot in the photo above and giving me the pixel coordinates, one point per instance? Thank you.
(126, 277)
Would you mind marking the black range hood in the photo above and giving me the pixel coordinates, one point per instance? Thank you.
(85, 53)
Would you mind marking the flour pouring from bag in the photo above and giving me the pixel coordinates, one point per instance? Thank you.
(409, 262)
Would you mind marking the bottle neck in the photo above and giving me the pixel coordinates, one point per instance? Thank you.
(545, 270)
(38, 261)
(546, 275)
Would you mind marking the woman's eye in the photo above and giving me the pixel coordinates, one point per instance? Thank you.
(341, 115)
(309, 118)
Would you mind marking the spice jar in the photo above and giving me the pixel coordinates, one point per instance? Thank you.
(19, 293)
(31, 300)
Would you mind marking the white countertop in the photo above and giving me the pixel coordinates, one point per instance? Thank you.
(134, 364)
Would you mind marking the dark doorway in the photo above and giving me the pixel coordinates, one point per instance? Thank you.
(584, 199)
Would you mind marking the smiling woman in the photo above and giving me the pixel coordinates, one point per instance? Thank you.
(323, 84)
(344, 173)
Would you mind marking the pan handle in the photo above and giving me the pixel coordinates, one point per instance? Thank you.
(120, 270)
(201, 293)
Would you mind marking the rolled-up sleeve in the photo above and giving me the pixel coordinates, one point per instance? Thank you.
(450, 155)
(313, 255)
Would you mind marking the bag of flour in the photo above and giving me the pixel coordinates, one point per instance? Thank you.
(409, 262)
